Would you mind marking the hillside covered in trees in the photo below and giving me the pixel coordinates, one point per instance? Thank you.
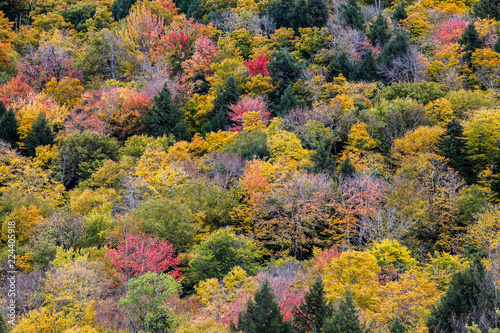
(213, 166)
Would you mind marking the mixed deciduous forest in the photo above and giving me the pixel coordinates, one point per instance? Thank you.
(250, 166)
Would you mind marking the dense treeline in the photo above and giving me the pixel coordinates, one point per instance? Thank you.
(250, 166)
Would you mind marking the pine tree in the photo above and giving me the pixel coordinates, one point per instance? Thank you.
(352, 16)
(317, 13)
(287, 101)
(367, 69)
(323, 160)
(285, 71)
(120, 8)
(397, 327)
(489, 9)
(262, 314)
(226, 95)
(452, 146)
(164, 117)
(346, 168)
(379, 32)
(470, 298)
(8, 126)
(314, 311)
(495, 184)
(496, 47)
(397, 46)
(340, 65)
(400, 12)
(345, 319)
(41, 134)
(471, 41)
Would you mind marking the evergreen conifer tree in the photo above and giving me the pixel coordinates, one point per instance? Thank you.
(287, 101)
(352, 16)
(41, 134)
(8, 126)
(471, 41)
(323, 160)
(379, 32)
(400, 12)
(397, 327)
(226, 95)
(453, 147)
(496, 47)
(367, 69)
(345, 319)
(398, 45)
(262, 314)
(487, 9)
(314, 311)
(495, 184)
(164, 117)
(285, 71)
(317, 13)
(346, 168)
(340, 65)
(470, 298)
(120, 8)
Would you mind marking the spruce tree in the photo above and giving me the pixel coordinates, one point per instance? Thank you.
(8, 126)
(379, 32)
(317, 13)
(285, 71)
(352, 16)
(496, 47)
(340, 65)
(120, 8)
(226, 95)
(287, 101)
(346, 168)
(262, 314)
(345, 319)
(314, 311)
(400, 12)
(487, 9)
(471, 41)
(367, 69)
(323, 160)
(452, 146)
(41, 134)
(495, 184)
(397, 327)
(164, 117)
(397, 46)
(470, 298)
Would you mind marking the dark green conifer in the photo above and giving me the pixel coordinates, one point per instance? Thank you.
(452, 145)
(41, 134)
(323, 159)
(471, 41)
(8, 126)
(367, 69)
(262, 314)
(165, 118)
(496, 47)
(495, 184)
(314, 311)
(226, 95)
(397, 46)
(489, 9)
(379, 32)
(287, 101)
(120, 8)
(397, 327)
(400, 12)
(340, 65)
(346, 168)
(345, 319)
(470, 298)
(352, 16)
